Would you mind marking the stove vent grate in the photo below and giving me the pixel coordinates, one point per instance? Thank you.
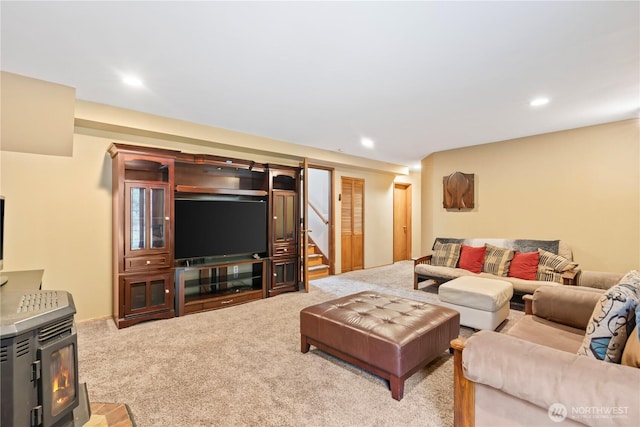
(61, 328)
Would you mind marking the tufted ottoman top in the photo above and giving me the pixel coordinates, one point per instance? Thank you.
(393, 333)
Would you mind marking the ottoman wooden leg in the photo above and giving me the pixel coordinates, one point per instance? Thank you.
(304, 345)
(396, 385)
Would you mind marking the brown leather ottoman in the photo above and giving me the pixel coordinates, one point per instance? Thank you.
(388, 336)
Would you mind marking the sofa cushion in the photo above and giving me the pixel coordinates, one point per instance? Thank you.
(612, 320)
(631, 353)
(568, 305)
(523, 245)
(472, 258)
(497, 260)
(446, 254)
(440, 272)
(545, 332)
(551, 266)
(524, 265)
(445, 273)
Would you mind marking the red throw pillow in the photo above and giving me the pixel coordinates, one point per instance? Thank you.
(524, 265)
(472, 258)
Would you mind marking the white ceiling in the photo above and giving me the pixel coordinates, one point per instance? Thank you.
(415, 77)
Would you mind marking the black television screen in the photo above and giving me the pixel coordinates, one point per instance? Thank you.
(211, 228)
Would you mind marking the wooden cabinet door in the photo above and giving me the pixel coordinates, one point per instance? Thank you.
(146, 296)
(285, 276)
(352, 213)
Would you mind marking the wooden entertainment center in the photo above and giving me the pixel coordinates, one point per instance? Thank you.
(148, 282)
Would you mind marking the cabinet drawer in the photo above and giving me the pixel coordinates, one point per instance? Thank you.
(212, 304)
(285, 250)
(148, 262)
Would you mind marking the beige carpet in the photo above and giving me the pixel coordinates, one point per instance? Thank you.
(242, 366)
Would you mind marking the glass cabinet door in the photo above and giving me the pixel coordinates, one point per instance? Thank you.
(157, 221)
(138, 214)
(284, 216)
(284, 274)
(143, 294)
(147, 213)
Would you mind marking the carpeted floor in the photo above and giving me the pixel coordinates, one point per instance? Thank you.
(242, 366)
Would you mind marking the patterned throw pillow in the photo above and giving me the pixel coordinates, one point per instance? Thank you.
(613, 319)
(551, 266)
(446, 254)
(497, 260)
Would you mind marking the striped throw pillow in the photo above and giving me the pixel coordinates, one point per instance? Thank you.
(497, 260)
(551, 266)
(446, 254)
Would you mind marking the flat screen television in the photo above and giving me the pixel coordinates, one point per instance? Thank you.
(217, 228)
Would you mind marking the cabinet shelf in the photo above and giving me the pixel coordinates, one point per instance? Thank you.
(209, 190)
(203, 288)
(215, 286)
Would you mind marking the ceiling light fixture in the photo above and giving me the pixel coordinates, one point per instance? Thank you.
(132, 81)
(537, 102)
(367, 142)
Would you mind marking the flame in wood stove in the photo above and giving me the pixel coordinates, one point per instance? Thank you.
(63, 381)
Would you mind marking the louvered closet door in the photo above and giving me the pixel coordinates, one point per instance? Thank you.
(352, 214)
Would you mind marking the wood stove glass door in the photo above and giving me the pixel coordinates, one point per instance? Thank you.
(58, 391)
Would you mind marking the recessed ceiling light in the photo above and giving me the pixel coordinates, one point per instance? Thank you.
(367, 142)
(132, 81)
(537, 102)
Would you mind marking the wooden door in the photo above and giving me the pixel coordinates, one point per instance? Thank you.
(352, 213)
(401, 222)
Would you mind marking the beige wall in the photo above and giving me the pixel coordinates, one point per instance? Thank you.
(581, 186)
(37, 116)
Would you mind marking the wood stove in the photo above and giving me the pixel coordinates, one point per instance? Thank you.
(38, 359)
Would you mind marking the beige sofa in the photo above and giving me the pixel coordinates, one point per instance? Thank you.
(424, 270)
(532, 375)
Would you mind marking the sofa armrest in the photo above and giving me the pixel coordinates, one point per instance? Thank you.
(570, 278)
(463, 389)
(420, 260)
(551, 376)
(426, 259)
(528, 303)
(599, 279)
(571, 306)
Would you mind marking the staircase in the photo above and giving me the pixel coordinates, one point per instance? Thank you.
(318, 264)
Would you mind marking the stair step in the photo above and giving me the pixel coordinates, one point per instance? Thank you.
(318, 271)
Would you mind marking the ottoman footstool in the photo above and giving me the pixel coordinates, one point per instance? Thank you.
(390, 337)
(483, 303)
